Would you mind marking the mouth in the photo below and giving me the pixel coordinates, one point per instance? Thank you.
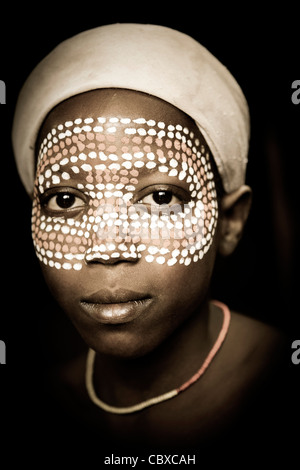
(116, 307)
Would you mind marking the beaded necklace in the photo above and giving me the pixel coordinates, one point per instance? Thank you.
(166, 396)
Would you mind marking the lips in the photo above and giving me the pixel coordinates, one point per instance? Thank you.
(115, 306)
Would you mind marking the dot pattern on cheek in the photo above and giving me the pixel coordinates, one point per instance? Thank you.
(104, 160)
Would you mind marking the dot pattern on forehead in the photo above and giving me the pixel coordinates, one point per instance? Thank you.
(104, 165)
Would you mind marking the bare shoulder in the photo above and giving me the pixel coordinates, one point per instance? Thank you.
(251, 356)
(258, 345)
(256, 331)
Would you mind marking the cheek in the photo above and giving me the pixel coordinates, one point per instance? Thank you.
(65, 286)
(179, 237)
(59, 243)
(181, 282)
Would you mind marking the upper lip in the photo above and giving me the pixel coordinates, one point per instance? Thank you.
(117, 296)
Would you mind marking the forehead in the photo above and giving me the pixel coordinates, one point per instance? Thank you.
(116, 103)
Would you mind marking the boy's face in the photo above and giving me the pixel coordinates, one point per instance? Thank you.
(124, 217)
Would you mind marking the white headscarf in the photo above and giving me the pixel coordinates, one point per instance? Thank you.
(148, 58)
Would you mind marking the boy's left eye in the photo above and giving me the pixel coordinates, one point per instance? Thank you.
(161, 197)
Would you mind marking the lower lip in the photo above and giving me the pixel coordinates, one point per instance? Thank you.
(116, 313)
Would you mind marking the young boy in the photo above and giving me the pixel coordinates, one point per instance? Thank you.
(132, 141)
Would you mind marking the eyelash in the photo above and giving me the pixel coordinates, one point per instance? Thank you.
(71, 196)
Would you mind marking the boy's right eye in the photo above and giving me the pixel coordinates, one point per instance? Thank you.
(63, 201)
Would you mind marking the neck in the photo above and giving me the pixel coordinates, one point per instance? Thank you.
(125, 382)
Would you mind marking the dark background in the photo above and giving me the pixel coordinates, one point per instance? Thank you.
(260, 278)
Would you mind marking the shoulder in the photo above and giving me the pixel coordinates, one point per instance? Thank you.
(251, 354)
(255, 355)
(255, 349)
(254, 336)
(244, 370)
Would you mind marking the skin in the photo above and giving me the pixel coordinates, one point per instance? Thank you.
(179, 326)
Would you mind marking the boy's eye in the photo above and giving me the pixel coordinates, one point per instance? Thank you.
(63, 201)
(160, 198)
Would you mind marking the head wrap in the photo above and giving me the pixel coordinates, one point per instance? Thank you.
(148, 58)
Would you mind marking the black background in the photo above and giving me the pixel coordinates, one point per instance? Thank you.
(260, 278)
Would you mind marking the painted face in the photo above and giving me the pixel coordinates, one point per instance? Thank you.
(141, 188)
(122, 188)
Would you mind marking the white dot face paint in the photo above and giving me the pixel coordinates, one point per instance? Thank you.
(120, 189)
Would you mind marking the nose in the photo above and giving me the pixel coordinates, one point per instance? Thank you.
(112, 253)
(110, 241)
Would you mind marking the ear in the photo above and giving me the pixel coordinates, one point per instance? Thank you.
(235, 209)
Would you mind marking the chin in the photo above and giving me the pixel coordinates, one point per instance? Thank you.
(120, 346)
